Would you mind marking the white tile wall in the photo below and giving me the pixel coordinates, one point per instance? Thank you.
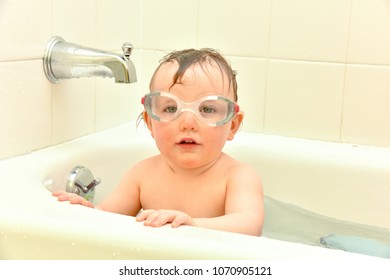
(304, 99)
(366, 115)
(316, 69)
(75, 21)
(25, 114)
(369, 36)
(235, 27)
(150, 60)
(251, 80)
(115, 103)
(310, 30)
(169, 24)
(117, 22)
(25, 27)
(73, 108)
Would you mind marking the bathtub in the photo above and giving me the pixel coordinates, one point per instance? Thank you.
(346, 182)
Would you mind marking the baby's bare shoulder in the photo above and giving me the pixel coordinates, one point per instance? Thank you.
(240, 171)
(236, 166)
(148, 162)
(143, 167)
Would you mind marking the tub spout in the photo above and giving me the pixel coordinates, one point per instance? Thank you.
(64, 60)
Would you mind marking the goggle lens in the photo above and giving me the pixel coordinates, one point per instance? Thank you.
(213, 110)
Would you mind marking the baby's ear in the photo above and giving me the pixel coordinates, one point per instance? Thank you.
(148, 122)
(235, 125)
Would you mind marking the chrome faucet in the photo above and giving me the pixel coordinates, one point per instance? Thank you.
(82, 182)
(64, 60)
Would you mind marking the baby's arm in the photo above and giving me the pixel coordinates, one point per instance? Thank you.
(125, 199)
(244, 204)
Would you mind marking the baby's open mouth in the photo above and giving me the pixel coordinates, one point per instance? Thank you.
(188, 141)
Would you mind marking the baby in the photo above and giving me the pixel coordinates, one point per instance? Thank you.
(191, 111)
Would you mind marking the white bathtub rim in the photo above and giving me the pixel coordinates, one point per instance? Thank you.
(77, 224)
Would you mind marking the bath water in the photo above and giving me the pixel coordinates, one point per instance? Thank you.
(288, 222)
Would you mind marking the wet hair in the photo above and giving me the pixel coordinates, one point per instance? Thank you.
(189, 57)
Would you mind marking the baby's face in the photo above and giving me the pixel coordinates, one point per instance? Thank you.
(185, 141)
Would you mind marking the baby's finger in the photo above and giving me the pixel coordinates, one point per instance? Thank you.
(57, 193)
(161, 219)
(63, 196)
(87, 203)
(141, 216)
(75, 199)
(181, 219)
(152, 216)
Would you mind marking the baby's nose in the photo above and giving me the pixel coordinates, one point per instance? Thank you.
(188, 120)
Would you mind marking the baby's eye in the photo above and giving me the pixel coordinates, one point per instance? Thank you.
(207, 110)
(170, 109)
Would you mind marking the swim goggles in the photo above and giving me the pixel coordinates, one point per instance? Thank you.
(212, 110)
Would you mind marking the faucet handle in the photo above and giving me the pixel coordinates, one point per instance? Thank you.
(82, 182)
(86, 188)
(127, 49)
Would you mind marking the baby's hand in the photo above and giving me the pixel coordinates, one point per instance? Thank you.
(158, 218)
(72, 198)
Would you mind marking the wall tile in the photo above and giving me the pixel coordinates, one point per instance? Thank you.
(370, 35)
(73, 109)
(251, 80)
(25, 115)
(235, 27)
(310, 30)
(169, 24)
(115, 103)
(304, 99)
(23, 34)
(75, 21)
(366, 116)
(118, 22)
(150, 59)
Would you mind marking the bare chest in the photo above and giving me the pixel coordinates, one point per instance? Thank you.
(200, 197)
